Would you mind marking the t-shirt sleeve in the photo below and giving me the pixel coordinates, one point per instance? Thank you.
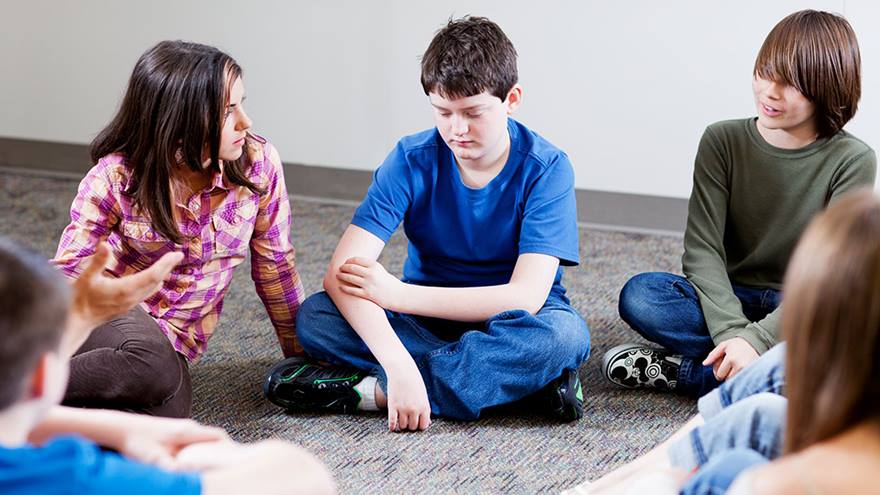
(549, 224)
(72, 465)
(388, 198)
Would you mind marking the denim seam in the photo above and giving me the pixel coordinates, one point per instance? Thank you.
(699, 452)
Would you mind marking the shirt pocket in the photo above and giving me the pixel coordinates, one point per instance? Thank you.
(144, 239)
(233, 227)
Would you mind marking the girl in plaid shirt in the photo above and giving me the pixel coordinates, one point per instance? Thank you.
(178, 169)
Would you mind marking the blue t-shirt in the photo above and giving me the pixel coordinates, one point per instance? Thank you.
(465, 237)
(76, 466)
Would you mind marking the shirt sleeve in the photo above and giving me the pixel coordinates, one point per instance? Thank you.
(856, 173)
(549, 224)
(105, 472)
(94, 212)
(704, 262)
(388, 198)
(71, 464)
(273, 259)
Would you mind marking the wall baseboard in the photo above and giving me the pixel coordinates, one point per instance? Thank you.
(597, 209)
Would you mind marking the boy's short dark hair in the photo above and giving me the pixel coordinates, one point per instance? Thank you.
(468, 56)
(34, 303)
(817, 53)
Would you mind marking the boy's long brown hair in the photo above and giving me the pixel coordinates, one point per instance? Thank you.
(817, 53)
(172, 115)
(831, 322)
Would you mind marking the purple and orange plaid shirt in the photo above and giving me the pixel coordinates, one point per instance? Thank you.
(219, 224)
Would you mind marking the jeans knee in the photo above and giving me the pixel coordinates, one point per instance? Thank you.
(570, 336)
(634, 304)
(317, 323)
(765, 410)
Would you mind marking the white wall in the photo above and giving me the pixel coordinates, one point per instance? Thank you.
(625, 87)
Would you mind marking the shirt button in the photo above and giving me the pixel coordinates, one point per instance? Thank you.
(163, 304)
(188, 271)
(179, 289)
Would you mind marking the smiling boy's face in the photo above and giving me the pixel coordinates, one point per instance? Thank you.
(474, 127)
(782, 107)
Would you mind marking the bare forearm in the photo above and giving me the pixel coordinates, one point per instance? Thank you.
(106, 428)
(371, 324)
(469, 303)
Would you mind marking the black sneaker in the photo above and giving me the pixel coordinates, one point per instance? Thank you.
(640, 366)
(299, 384)
(563, 397)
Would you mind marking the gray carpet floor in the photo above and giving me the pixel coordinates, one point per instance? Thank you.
(503, 453)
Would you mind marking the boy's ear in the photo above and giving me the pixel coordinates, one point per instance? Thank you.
(37, 386)
(514, 98)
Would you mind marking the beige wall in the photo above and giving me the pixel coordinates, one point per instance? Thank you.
(625, 87)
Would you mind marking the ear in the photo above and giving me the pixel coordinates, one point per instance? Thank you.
(514, 98)
(38, 380)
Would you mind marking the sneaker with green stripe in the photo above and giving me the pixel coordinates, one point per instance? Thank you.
(300, 385)
(564, 397)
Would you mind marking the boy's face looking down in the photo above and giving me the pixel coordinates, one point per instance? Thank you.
(475, 127)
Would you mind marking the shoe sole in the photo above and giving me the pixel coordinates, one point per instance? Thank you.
(611, 356)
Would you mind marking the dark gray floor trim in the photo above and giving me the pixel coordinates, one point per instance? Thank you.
(597, 209)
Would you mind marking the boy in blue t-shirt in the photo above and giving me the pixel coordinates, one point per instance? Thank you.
(49, 449)
(481, 317)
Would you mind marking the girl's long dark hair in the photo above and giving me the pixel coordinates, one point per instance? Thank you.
(172, 113)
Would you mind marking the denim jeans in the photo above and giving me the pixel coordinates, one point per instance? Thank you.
(665, 309)
(746, 411)
(718, 475)
(466, 367)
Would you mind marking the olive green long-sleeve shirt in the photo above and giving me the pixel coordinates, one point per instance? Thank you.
(749, 205)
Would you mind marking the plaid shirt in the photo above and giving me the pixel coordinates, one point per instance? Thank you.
(218, 224)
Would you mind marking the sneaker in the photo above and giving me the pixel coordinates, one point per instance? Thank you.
(564, 397)
(300, 385)
(640, 366)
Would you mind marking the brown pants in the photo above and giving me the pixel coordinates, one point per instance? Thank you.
(128, 364)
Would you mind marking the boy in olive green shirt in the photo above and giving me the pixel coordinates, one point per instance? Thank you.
(757, 183)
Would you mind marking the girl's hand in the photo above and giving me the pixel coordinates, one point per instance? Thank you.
(408, 406)
(368, 279)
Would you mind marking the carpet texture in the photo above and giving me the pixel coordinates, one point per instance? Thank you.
(502, 453)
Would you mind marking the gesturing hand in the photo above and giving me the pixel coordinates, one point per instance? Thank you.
(730, 357)
(368, 279)
(408, 406)
(98, 298)
(158, 440)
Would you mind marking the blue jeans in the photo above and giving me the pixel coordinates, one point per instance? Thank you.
(718, 475)
(665, 309)
(745, 412)
(466, 367)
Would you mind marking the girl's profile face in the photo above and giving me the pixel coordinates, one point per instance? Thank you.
(235, 124)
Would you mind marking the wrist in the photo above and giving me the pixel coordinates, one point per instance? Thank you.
(402, 303)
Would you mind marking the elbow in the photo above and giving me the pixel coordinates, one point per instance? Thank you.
(330, 283)
(526, 301)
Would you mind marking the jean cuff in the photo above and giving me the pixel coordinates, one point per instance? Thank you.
(381, 377)
(710, 404)
(686, 453)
